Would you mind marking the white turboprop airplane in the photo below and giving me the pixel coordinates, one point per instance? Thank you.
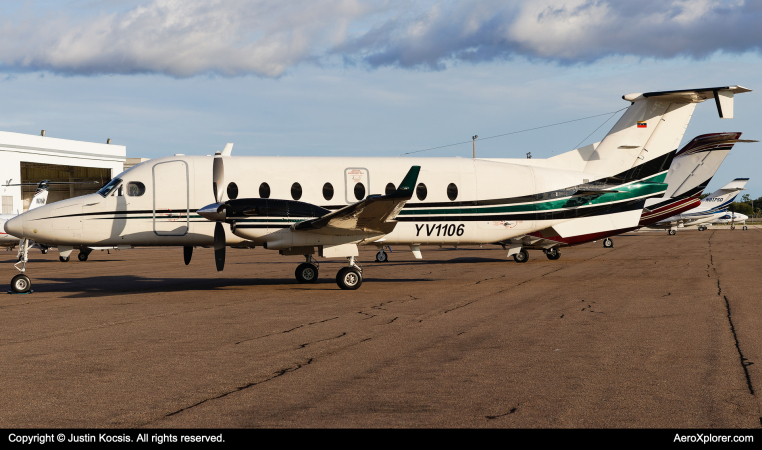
(711, 208)
(733, 218)
(459, 201)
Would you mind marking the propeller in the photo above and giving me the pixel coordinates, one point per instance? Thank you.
(218, 172)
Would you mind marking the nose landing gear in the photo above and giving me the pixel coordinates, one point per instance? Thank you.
(21, 284)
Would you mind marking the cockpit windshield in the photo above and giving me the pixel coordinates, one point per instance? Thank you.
(108, 188)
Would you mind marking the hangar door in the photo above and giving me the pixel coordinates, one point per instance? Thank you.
(170, 198)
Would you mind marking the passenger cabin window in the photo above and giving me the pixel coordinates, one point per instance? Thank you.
(109, 187)
(452, 191)
(328, 191)
(421, 191)
(264, 190)
(390, 189)
(232, 191)
(135, 189)
(296, 191)
(359, 191)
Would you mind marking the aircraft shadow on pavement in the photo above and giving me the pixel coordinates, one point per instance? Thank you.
(125, 284)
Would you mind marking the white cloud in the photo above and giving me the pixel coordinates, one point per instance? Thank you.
(183, 38)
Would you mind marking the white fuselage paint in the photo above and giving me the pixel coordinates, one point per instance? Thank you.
(177, 185)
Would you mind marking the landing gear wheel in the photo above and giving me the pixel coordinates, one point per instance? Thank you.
(672, 232)
(44, 251)
(608, 243)
(381, 256)
(745, 228)
(82, 256)
(732, 227)
(521, 257)
(306, 273)
(553, 254)
(349, 278)
(701, 228)
(63, 258)
(20, 284)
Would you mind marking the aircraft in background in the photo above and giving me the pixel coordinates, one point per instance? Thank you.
(690, 171)
(710, 209)
(732, 218)
(459, 201)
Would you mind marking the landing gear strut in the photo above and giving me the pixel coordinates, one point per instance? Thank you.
(21, 284)
(307, 272)
(350, 277)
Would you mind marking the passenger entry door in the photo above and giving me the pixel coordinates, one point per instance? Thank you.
(170, 198)
(357, 184)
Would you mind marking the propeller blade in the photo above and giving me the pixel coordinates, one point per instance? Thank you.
(218, 173)
(219, 246)
(187, 253)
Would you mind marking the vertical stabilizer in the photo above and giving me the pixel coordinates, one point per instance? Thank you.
(652, 126)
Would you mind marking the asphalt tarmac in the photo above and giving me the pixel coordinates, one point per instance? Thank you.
(658, 332)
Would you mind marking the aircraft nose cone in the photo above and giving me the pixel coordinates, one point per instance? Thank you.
(15, 227)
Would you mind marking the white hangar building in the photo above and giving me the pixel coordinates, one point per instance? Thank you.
(27, 158)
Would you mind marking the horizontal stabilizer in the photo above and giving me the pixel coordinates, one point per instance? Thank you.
(723, 97)
(737, 184)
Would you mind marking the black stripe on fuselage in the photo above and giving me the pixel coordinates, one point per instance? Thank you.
(697, 190)
(550, 215)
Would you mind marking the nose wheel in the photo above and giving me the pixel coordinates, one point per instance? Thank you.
(21, 284)
(608, 243)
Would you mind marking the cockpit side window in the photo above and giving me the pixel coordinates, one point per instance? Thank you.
(135, 188)
(109, 187)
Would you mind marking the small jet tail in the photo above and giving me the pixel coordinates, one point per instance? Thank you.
(695, 164)
(722, 197)
(40, 197)
(652, 127)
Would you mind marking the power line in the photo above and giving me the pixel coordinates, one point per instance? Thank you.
(522, 131)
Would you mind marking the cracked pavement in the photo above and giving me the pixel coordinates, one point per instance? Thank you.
(658, 332)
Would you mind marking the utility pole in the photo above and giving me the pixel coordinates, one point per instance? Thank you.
(473, 138)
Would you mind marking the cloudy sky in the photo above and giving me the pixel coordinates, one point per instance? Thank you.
(346, 77)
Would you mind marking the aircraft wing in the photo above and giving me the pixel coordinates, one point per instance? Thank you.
(374, 215)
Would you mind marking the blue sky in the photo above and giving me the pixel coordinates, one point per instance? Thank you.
(376, 78)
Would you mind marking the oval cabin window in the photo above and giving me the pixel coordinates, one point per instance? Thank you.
(232, 191)
(421, 191)
(328, 191)
(359, 191)
(135, 189)
(296, 191)
(264, 190)
(452, 191)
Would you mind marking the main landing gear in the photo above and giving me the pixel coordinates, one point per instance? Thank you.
(521, 257)
(672, 232)
(701, 228)
(349, 277)
(381, 256)
(608, 243)
(307, 272)
(552, 253)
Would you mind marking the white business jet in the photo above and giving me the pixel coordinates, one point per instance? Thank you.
(328, 206)
(711, 208)
(690, 171)
(733, 218)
